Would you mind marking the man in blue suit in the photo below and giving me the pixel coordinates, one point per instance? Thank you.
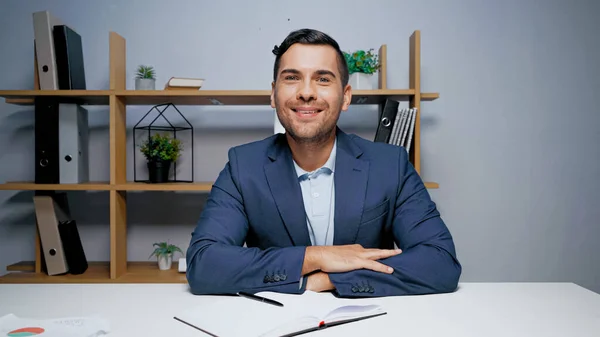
(319, 209)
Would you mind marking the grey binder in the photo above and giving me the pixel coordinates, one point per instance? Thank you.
(48, 215)
(43, 23)
(73, 147)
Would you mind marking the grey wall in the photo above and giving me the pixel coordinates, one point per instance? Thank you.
(512, 140)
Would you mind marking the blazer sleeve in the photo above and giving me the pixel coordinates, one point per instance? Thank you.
(428, 262)
(217, 262)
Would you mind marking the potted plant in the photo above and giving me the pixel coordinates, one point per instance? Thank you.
(164, 254)
(160, 151)
(361, 67)
(145, 78)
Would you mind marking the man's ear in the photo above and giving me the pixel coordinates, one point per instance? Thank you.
(347, 97)
(273, 94)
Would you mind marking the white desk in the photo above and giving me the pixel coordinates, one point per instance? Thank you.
(476, 309)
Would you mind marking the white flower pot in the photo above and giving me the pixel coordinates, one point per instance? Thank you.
(144, 84)
(165, 261)
(361, 81)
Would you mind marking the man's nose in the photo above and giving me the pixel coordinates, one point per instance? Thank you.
(307, 91)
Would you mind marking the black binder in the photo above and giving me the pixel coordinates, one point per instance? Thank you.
(47, 165)
(386, 121)
(74, 253)
(68, 50)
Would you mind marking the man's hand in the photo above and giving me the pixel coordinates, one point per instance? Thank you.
(318, 282)
(335, 259)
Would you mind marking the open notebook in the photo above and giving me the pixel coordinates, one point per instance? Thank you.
(239, 316)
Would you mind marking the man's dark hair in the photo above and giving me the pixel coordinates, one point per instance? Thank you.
(313, 37)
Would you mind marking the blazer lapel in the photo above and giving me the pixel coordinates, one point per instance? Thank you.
(284, 185)
(351, 175)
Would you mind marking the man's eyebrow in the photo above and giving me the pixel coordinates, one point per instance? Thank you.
(325, 72)
(291, 71)
(318, 72)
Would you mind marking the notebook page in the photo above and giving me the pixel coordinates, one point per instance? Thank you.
(232, 316)
(239, 316)
(324, 306)
(310, 303)
(310, 308)
(352, 311)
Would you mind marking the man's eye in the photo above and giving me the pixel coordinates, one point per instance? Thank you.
(323, 79)
(291, 78)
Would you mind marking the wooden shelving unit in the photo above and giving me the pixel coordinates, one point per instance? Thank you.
(98, 272)
(118, 269)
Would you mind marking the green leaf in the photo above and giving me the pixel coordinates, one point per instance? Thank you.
(163, 249)
(144, 71)
(161, 148)
(362, 61)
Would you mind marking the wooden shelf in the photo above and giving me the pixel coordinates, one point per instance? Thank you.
(243, 97)
(31, 186)
(84, 97)
(432, 185)
(195, 186)
(97, 272)
(105, 186)
(429, 96)
(148, 272)
(130, 186)
(192, 97)
(28, 266)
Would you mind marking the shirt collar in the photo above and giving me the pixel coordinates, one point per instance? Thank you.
(328, 167)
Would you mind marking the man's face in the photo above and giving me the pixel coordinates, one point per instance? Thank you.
(308, 93)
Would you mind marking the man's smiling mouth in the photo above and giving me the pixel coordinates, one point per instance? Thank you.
(306, 110)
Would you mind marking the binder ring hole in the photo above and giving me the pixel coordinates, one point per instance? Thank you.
(44, 162)
(385, 121)
(52, 251)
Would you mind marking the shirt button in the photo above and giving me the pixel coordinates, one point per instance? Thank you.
(316, 195)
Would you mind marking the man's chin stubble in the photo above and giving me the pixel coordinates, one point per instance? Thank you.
(314, 140)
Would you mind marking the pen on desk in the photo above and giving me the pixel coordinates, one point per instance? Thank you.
(259, 298)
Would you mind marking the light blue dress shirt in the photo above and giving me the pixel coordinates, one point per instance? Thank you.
(318, 194)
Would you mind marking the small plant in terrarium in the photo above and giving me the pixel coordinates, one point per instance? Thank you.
(161, 147)
(160, 151)
(164, 253)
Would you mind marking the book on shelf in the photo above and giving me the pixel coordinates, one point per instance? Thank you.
(184, 83)
(299, 314)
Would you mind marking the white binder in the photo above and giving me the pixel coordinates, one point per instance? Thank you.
(43, 22)
(73, 147)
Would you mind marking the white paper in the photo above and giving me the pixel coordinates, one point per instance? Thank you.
(11, 325)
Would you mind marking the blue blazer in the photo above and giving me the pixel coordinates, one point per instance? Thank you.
(380, 200)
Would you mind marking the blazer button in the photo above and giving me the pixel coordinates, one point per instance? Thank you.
(354, 289)
(283, 277)
(371, 289)
(266, 279)
(276, 278)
